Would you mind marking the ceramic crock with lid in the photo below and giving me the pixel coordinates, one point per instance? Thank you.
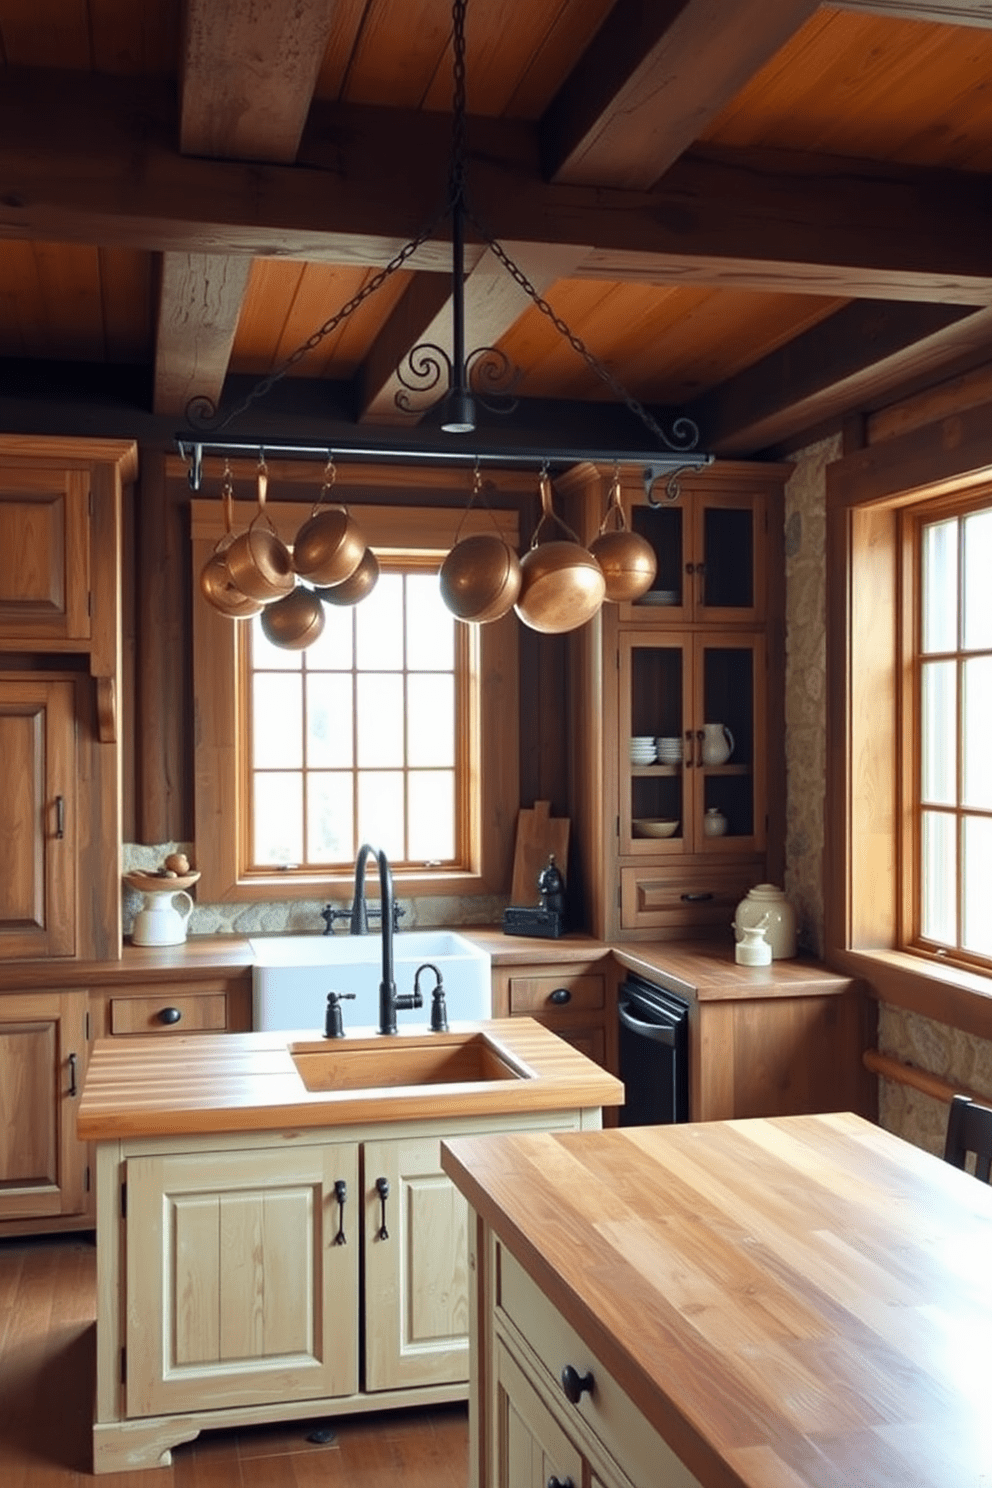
(766, 901)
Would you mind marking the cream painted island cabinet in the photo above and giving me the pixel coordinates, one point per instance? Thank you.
(276, 1238)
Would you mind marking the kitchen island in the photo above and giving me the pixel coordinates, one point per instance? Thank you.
(793, 1302)
(275, 1237)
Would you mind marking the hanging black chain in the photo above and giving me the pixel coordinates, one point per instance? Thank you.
(458, 104)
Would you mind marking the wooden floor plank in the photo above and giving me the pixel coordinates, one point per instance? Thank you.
(47, 1375)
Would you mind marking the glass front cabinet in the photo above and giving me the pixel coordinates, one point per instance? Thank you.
(679, 806)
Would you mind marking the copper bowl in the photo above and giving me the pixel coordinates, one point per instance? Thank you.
(328, 548)
(480, 578)
(629, 564)
(562, 587)
(295, 622)
(353, 590)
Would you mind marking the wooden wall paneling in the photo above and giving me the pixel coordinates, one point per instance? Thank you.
(775, 753)
(128, 676)
(164, 723)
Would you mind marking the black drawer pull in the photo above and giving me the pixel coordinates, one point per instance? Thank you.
(560, 996)
(73, 1087)
(574, 1383)
(699, 898)
(169, 1015)
(560, 1483)
(382, 1189)
(341, 1194)
(60, 816)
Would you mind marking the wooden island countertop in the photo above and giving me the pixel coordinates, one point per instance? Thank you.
(197, 1083)
(798, 1302)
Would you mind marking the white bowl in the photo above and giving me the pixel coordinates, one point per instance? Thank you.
(647, 826)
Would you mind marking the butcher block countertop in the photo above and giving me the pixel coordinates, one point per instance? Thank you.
(707, 972)
(798, 1302)
(197, 1083)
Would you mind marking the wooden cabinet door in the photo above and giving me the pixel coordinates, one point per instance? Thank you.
(42, 1062)
(37, 817)
(237, 1293)
(416, 1274)
(44, 556)
(529, 1446)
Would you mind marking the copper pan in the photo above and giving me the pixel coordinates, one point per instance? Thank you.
(215, 580)
(258, 561)
(628, 561)
(355, 589)
(480, 578)
(328, 547)
(562, 585)
(295, 622)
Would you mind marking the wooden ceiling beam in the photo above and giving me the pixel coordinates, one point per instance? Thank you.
(248, 75)
(199, 305)
(80, 164)
(493, 302)
(651, 81)
(950, 12)
(854, 357)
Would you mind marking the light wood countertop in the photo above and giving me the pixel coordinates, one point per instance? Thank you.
(706, 970)
(195, 1083)
(799, 1302)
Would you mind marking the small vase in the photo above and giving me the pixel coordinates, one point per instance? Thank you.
(714, 823)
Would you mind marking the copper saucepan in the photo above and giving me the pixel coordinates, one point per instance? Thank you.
(258, 561)
(354, 589)
(562, 585)
(216, 585)
(628, 561)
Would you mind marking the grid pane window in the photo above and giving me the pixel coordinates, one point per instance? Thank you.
(358, 738)
(954, 680)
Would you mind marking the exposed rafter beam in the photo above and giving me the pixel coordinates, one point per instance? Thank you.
(199, 305)
(248, 75)
(493, 301)
(79, 166)
(652, 79)
(846, 361)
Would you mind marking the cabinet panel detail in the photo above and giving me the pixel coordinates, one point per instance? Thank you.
(698, 896)
(537, 994)
(42, 1062)
(200, 1013)
(237, 1293)
(44, 555)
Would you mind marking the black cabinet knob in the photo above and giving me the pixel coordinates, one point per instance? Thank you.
(575, 1384)
(560, 1483)
(169, 1015)
(560, 996)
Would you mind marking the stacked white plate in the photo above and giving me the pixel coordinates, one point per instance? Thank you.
(669, 750)
(642, 749)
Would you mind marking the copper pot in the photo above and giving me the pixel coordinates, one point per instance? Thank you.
(295, 622)
(562, 585)
(353, 590)
(258, 561)
(215, 580)
(628, 561)
(328, 547)
(480, 578)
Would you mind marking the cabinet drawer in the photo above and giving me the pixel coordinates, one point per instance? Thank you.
(605, 1410)
(535, 994)
(198, 1013)
(700, 896)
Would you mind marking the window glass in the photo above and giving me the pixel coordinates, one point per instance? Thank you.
(939, 751)
(978, 581)
(938, 908)
(976, 934)
(940, 586)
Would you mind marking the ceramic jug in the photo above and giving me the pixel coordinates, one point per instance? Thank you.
(160, 923)
(718, 744)
(766, 904)
(753, 949)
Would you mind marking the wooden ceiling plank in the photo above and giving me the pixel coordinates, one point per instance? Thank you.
(493, 302)
(248, 76)
(651, 81)
(802, 224)
(855, 355)
(199, 305)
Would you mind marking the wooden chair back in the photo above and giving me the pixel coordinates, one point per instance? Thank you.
(969, 1129)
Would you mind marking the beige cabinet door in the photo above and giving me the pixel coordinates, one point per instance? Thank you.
(416, 1267)
(42, 1061)
(37, 817)
(238, 1290)
(44, 556)
(530, 1449)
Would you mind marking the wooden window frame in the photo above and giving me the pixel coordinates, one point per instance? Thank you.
(870, 749)
(491, 780)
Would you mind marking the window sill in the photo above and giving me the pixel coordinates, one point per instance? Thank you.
(947, 994)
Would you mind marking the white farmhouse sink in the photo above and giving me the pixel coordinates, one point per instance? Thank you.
(293, 974)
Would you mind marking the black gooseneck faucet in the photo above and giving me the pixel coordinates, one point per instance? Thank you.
(389, 999)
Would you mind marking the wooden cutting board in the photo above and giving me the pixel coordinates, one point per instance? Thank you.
(538, 835)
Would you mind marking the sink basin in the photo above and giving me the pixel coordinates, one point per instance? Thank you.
(435, 1059)
(293, 974)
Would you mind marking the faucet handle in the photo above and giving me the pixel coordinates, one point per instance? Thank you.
(439, 1010)
(333, 1022)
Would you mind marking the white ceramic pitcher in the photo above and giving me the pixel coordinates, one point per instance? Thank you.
(718, 744)
(160, 922)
